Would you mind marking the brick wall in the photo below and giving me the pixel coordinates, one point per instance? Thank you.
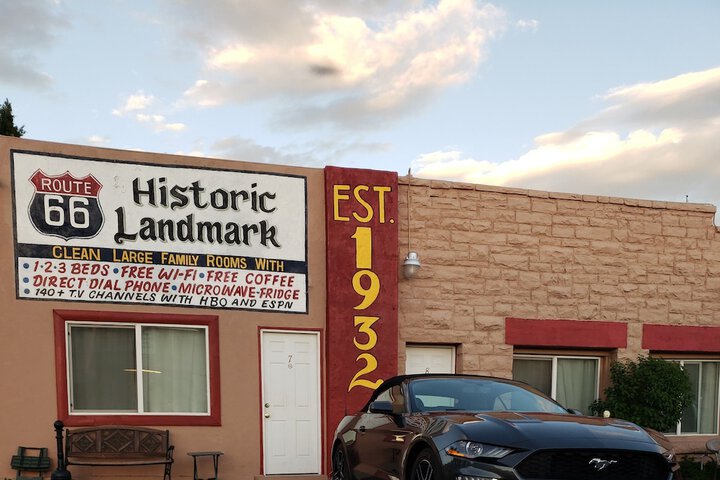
(489, 253)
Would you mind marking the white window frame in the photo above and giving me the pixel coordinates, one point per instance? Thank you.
(553, 374)
(137, 326)
(678, 427)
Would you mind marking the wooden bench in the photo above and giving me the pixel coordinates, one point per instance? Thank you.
(23, 462)
(119, 446)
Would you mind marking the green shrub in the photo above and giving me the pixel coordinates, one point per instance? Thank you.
(693, 470)
(651, 392)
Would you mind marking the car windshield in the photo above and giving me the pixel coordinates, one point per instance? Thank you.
(477, 394)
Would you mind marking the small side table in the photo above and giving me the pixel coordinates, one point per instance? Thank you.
(215, 459)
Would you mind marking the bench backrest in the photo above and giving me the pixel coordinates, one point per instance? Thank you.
(116, 442)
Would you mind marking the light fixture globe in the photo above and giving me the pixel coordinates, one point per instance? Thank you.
(411, 265)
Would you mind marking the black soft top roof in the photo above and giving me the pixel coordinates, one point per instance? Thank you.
(397, 380)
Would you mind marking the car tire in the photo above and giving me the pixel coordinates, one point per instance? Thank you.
(340, 469)
(425, 466)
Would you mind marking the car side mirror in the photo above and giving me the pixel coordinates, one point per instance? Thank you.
(379, 406)
(386, 408)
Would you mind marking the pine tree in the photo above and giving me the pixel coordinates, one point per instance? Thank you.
(7, 121)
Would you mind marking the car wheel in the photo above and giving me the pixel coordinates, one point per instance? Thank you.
(341, 471)
(425, 466)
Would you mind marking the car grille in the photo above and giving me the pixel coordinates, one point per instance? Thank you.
(588, 465)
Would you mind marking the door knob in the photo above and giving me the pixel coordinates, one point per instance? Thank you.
(267, 415)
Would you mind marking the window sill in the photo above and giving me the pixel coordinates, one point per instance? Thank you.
(141, 420)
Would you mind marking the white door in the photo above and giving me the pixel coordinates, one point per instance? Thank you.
(291, 402)
(429, 359)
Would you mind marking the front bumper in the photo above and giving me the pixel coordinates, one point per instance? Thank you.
(455, 468)
(461, 469)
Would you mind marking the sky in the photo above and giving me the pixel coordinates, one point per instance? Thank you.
(598, 97)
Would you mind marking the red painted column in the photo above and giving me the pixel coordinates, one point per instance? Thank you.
(362, 286)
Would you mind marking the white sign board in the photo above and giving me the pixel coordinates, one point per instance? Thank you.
(106, 231)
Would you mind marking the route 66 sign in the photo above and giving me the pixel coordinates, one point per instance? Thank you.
(66, 206)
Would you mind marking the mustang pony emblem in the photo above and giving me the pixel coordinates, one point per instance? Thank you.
(599, 464)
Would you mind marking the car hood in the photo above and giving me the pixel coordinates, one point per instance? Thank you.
(544, 430)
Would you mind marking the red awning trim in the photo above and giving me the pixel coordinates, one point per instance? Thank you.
(674, 338)
(565, 333)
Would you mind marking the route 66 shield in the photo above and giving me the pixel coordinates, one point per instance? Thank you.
(66, 206)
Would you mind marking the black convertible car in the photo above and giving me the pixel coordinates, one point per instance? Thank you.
(462, 427)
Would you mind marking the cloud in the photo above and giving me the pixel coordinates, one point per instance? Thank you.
(656, 140)
(191, 153)
(244, 149)
(527, 25)
(137, 103)
(688, 98)
(27, 28)
(360, 64)
(97, 140)
(160, 123)
(314, 154)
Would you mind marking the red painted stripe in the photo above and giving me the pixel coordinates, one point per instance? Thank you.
(673, 338)
(565, 333)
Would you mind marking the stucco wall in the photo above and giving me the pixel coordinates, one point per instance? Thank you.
(490, 253)
(27, 357)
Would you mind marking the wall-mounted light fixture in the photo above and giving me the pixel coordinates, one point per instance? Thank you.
(411, 265)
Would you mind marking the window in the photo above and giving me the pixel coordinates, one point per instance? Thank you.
(391, 398)
(429, 359)
(572, 381)
(701, 417)
(392, 395)
(474, 394)
(138, 368)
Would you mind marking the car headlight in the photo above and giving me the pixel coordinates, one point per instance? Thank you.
(468, 449)
(669, 455)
